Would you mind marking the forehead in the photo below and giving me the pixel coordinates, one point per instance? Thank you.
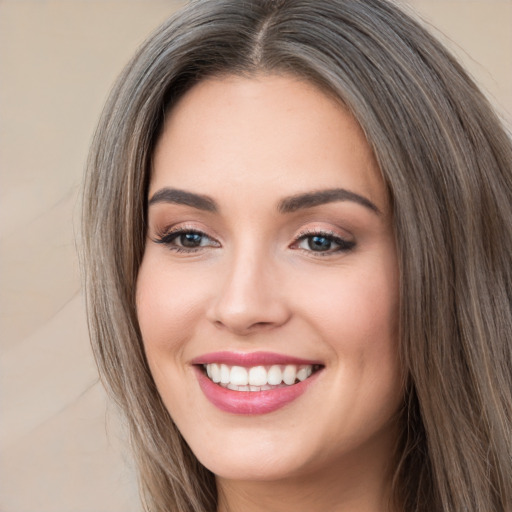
(273, 133)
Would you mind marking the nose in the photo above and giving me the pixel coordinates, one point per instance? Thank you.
(250, 298)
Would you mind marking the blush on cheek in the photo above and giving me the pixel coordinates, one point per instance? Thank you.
(364, 314)
(169, 302)
(160, 330)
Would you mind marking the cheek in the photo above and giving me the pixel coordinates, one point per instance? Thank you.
(356, 309)
(365, 340)
(169, 303)
(356, 312)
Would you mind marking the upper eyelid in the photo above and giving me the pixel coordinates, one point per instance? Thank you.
(180, 231)
(323, 232)
(167, 239)
(182, 228)
(345, 243)
(329, 235)
(300, 235)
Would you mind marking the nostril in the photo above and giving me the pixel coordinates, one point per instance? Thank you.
(243, 328)
(245, 304)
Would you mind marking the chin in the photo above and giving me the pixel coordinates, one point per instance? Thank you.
(256, 464)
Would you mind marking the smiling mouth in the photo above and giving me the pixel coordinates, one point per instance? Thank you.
(258, 378)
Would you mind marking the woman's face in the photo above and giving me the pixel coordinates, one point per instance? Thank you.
(270, 265)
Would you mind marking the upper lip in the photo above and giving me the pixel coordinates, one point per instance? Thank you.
(249, 359)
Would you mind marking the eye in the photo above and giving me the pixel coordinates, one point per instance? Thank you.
(323, 243)
(186, 240)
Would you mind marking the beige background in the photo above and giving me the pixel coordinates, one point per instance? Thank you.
(60, 448)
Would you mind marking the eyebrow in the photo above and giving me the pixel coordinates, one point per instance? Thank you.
(311, 199)
(287, 205)
(175, 196)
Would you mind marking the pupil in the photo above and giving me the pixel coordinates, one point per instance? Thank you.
(191, 240)
(319, 243)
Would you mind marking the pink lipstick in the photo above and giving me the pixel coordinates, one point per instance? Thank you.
(253, 383)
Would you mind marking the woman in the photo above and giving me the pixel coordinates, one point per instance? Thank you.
(298, 239)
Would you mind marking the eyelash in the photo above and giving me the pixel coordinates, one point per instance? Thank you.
(343, 245)
(168, 239)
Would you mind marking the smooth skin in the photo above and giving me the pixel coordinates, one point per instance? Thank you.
(238, 272)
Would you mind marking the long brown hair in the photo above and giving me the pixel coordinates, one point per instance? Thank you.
(447, 162)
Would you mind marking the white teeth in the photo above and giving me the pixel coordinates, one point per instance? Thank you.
(304, 373)
(214, 372)
(224, 374)
(275, 375)
(239, 376)
(257, 378)
(290, 374)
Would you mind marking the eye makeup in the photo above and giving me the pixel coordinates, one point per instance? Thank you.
(186, 239)
(322, 242)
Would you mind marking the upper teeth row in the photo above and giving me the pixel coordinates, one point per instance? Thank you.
(258, 375)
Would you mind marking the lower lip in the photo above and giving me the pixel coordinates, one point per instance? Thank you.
(251, 402)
